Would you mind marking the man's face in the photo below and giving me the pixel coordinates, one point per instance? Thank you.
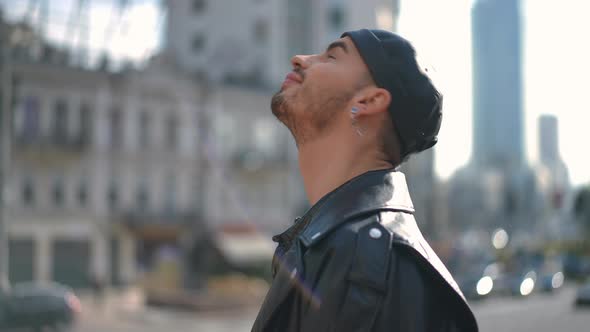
(319, 90)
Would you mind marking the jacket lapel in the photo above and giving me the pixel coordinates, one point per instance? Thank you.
(283, 283)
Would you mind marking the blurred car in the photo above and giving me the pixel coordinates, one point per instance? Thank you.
(583, 295)
(476, 287)
(551, 281)
(551, 274)
(575, 266)
(479, 282)
(34, 306)
(516, 283)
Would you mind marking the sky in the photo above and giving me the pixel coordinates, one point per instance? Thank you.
(555, 66)
(555, 74)
(132, 35)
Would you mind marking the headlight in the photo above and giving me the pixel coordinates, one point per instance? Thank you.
(484, 285)
(526, 286)
(557, 280)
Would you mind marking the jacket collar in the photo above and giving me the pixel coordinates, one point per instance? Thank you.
(369, 192)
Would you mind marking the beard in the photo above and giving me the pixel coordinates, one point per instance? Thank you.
(312, 118)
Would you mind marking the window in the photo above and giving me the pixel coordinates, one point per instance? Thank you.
(198, 43)
(142, 196)
(85, 124)
(60, 122)
(171, 131)
(82, 193)
(57, 192)
(28, 121)
(336, 18)
(170, 198)
(116, 127)
(261, 31)
(199, 6)
(28, 191)
(113, 196)
(225, 131)
(144, 125)
(299, 25)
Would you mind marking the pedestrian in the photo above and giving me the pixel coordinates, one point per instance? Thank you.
(356, 261)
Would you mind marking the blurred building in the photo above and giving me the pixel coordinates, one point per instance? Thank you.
(498, 188)
(498, 127)
(107, 169)
(252, 160)
(112, 171)
(58, 227)
(427, 195)
(251, 43)
(550, 157)
(553, 177)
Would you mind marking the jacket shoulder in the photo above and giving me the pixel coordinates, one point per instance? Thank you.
(406, 234)
(377, 240)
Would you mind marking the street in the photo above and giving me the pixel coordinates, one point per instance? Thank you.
(538, 313)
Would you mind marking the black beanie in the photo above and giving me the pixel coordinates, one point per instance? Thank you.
(416, 105)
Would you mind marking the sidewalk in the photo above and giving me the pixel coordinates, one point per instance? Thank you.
(113, 304)
(123, 310)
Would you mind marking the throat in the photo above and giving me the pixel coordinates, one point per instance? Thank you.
(324, 169)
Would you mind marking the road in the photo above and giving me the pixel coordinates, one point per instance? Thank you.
(537, 313)
(540, 312)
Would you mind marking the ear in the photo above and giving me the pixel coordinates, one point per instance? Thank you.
(372, 100)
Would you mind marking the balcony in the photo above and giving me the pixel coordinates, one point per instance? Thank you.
(54, 149)
(159, 226)
(136, 218)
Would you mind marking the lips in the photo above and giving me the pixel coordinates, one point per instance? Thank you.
(292, 78)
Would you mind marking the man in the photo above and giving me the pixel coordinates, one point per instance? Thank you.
(356, 260)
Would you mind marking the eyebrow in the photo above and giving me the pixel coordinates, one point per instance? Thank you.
(336, 44)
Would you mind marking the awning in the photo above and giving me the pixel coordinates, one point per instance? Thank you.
(245, 248)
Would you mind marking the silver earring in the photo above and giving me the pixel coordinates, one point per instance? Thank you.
(353, 113)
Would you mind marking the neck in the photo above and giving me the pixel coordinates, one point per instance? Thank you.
(327, 163)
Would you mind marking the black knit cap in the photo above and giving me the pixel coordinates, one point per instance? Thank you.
(416, 105)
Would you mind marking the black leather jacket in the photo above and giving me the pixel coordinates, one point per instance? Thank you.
(357, 262)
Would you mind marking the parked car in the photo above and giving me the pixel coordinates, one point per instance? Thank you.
(550, 281)
(516, 283)
(474, 272)
(550, 271)
(476, 287)
(575, 266)
(583, 295)
(36, 306)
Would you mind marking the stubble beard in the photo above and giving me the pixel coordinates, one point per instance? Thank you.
(315, 119)
(285, 114)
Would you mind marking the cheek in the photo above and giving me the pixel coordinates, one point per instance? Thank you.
(327, 80)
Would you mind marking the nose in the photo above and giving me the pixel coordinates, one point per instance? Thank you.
(301, 61)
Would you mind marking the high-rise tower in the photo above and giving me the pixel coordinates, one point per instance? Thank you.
(498, 129)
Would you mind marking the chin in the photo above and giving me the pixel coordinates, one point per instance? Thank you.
(278, 105)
